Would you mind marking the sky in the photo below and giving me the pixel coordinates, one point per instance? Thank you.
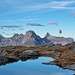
(41, 16)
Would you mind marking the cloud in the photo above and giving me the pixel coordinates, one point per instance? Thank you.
(18, 6)
(73, 15)
(28, 19)
(10, 26)
(48, 5)
(19, 20)
(9, 2)
(55, 5)
(34, 24)
(6, 20)
(52, 23)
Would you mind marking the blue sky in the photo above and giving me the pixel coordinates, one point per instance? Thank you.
(45, 14)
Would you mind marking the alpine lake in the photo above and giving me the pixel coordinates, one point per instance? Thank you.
(33, 67)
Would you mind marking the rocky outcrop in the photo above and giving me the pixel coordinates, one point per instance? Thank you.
(29, 53)
(13, 55)
(64, 56)
(71, 67)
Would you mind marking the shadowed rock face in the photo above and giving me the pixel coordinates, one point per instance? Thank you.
(31, 39)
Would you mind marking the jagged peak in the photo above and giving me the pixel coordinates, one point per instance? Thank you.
(30, 33)
(1, 36)
(47, 34)
(15, 35)
(21, 34)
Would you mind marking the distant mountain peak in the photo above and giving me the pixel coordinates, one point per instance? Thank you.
(1, 36)
(30, 33)
(47, 34)
(15, 35)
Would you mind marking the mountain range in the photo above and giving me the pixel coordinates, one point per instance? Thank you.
(32, 39)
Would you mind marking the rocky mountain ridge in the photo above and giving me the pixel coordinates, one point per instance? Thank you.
(32, 39)
(58, 40)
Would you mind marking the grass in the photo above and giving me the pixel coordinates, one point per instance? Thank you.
(61, 60)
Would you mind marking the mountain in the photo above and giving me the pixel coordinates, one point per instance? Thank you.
(1, 38)
(58, 40)
(32, 39)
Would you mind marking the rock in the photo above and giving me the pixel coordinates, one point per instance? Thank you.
(48, 52)
(4, 54)
(3, 60)
(52, 53)
(12, 58)
(50, 45)
(70, 52)
(49, 63)
(29, 53)
(58, 40)
(2, 50)
(57, 55)
(71, 67)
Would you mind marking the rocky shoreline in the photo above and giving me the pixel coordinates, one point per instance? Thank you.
(14, 54)
(64, 56)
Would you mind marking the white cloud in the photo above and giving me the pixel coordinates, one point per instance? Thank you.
(62, 4)
(9, 2)
(19, 6)
(20, 20)
(10, 26)
(55, 5)
(28, 19)
(6, 20)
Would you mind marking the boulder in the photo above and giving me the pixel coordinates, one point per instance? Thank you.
(29, 53)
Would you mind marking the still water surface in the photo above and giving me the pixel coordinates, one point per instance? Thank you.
(33, 67)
